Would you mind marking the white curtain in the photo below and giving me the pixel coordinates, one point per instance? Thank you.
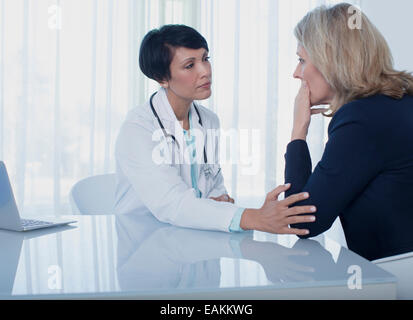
(69, 73)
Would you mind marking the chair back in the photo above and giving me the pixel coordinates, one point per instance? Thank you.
(94, 195)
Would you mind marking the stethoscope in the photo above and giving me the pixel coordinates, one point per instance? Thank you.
(207, 169)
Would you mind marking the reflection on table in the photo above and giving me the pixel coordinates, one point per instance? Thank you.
(135, 255)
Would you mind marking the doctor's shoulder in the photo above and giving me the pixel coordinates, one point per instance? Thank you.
(137, 126)
(140, 116)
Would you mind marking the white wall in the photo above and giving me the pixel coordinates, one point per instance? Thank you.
(394, 18)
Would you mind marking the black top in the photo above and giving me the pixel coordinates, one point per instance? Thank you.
(365, 176)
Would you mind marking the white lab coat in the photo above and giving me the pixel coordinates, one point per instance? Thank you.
(166, 189)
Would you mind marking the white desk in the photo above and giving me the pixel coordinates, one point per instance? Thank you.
(139, 257)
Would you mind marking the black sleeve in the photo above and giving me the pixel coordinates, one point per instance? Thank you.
(350, 161)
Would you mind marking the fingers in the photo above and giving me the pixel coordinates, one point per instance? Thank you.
(227, 198)
(303, 94)
(305, 87)
(304, 84)
(298, 232)
(300, 210)
(223, 198)
(318, 111)
(295, 198)
(300, 219)
(220, 198)
(297, 219)
(273, 195)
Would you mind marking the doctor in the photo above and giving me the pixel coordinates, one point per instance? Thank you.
(167, 149)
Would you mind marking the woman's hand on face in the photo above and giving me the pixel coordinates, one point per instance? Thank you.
(302, 112)
(275, 216)
(223, 198)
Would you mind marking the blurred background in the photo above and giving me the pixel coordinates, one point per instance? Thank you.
(69, 74)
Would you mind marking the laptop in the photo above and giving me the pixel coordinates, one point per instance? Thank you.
(9, 214)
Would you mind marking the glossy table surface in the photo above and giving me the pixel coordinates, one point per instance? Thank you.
(136, 256)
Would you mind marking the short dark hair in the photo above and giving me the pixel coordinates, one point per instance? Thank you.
(156, 51)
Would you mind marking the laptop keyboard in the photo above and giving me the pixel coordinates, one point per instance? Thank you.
(27, 223)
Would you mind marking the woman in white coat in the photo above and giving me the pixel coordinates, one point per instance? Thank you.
(167, 149)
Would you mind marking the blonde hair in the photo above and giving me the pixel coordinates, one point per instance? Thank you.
(355, 60)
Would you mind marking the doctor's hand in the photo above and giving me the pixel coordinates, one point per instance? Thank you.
(223, 198)
(275, 216)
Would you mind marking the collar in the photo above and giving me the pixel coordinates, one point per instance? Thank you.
(165, 112)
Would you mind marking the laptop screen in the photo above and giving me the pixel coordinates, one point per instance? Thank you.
(6, 194)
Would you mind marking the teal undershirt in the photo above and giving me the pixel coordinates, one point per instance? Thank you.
(190, 142)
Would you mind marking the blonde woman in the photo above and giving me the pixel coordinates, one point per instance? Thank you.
(366, 173)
